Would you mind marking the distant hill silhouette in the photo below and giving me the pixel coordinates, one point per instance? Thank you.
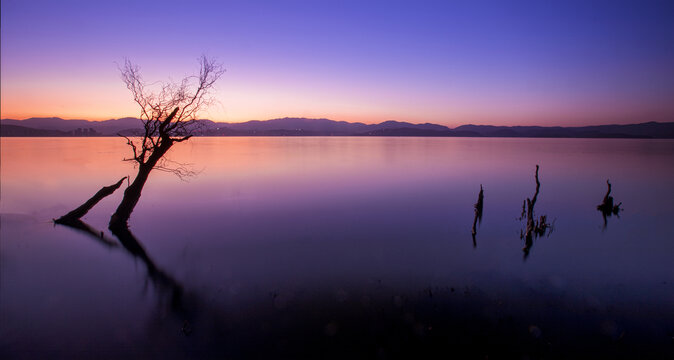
(23, 131)
(643, 130)
(104, 128)
(326, 127)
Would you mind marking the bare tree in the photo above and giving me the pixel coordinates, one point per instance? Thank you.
(169, 116)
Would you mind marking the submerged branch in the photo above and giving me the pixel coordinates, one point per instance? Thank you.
(606, 207)
(478, 214)
(534, 228)
(84, 208)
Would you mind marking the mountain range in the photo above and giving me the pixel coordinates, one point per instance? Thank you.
(324, 127)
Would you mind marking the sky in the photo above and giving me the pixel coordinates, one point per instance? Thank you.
(447, 62)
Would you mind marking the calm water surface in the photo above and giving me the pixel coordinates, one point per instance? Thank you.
(284, 241)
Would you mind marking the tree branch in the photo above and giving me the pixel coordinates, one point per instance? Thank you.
(84, 208)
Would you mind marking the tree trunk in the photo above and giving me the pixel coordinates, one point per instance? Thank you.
(131, 197)
(132, 194)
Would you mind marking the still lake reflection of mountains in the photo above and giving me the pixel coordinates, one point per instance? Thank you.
(326, 127)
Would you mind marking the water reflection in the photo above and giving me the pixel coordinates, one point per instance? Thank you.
(606, 207)
(98, 236)
(169, 291)
(478, 214)
(315, 217)
(167, 287)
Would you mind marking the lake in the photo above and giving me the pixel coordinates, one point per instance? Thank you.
(333, 247)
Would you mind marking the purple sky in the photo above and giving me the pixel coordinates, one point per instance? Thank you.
(447, 62)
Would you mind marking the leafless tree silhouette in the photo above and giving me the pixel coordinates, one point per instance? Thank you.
(169, 116)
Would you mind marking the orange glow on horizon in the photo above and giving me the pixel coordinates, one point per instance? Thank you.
(239, 103)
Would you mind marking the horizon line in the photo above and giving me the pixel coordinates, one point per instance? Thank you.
(635, 122)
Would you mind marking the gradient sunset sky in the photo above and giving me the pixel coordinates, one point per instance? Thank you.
(446, 62)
